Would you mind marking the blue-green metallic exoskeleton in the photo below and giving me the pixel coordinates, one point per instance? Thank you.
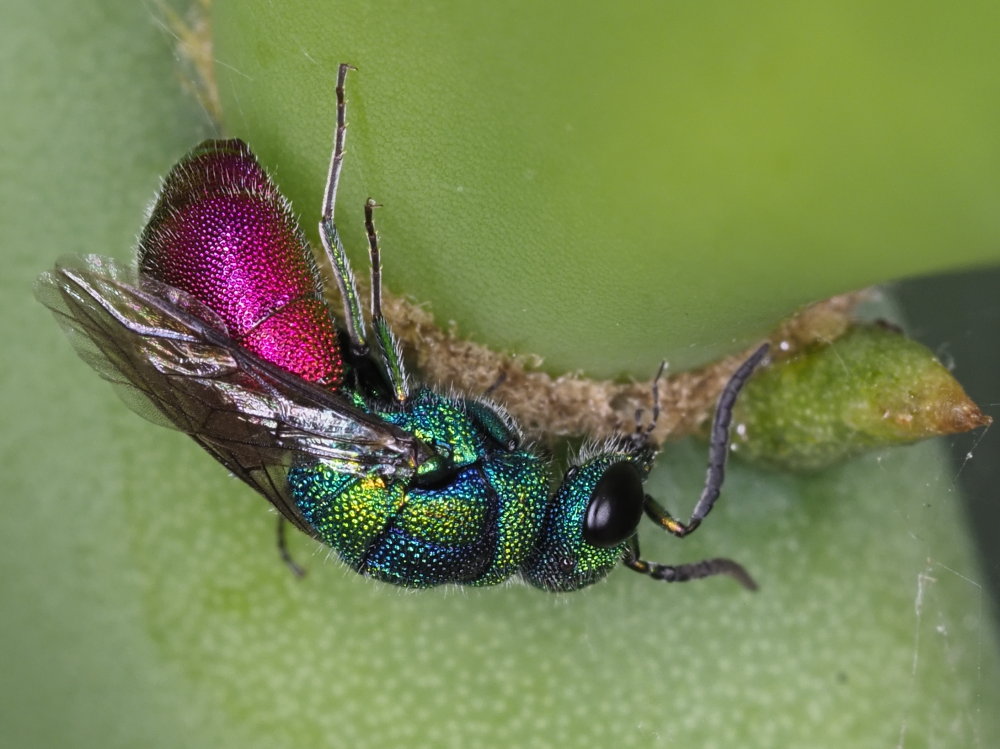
(409, 485)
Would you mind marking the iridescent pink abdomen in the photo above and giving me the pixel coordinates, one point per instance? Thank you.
(223, 233)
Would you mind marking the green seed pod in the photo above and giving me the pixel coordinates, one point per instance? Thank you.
(870, 388)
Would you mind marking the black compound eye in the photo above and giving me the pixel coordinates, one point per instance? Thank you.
(615, 506)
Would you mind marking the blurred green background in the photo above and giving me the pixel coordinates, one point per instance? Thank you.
(606, 186)
(141, 599)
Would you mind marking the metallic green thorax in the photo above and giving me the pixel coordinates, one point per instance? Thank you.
(475, 525)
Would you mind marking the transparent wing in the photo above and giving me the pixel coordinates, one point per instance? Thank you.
(175, 364)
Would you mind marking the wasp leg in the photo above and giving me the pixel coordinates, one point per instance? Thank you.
(641, 436)
(392, 357)
(328, 234)
(286, 555)
(681, 573)
(500, 380)
(718, 450)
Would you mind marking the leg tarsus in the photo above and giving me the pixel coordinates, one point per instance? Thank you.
(286, 555)
(641, 437)
(330, 238)
(392, 358)
(500, 380)
(339, 138)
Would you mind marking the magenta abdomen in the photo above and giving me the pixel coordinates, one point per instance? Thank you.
(223, 233)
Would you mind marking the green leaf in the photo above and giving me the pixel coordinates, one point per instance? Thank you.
(871, 387)
(605, 187)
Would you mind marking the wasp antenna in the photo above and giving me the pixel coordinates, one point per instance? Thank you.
(681, 573)
(718, 449)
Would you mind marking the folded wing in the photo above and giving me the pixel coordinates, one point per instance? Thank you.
(175, 364)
